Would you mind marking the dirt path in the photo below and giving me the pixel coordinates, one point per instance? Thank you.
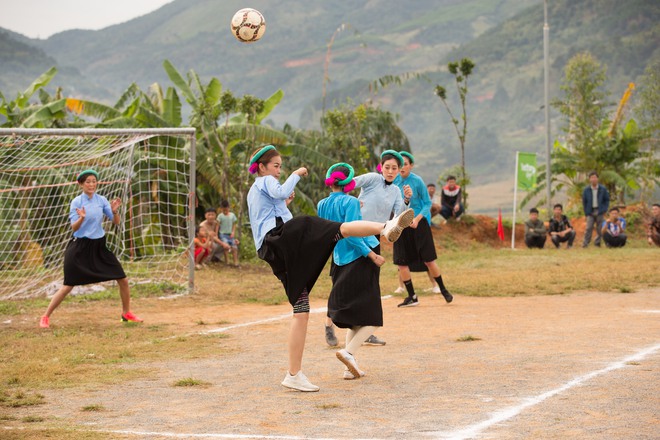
(515, 382)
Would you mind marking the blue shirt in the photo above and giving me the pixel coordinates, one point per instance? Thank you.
(266, 201)
(340, 207)
(420, 201)
(615, 230)
(378, 199)
(95, 207)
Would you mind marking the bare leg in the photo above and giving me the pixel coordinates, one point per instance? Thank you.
(125, 294)
(234, 251)
(297, 336)
(361, 228)
(57, 299)
(434, 271)
(404, 273)
(328, 322)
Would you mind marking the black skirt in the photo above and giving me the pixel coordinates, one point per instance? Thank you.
(88, 261)
(415, 246)
(298, 250)
(355, 296)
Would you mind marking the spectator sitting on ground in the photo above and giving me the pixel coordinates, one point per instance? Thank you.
(450, 200)
(613, 229)
(653, 230)
(560, 228)
(535, 232)
(218, 247)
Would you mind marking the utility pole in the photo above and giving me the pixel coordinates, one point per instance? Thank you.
(546, 86)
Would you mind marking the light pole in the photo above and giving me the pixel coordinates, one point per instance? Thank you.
(546, 87)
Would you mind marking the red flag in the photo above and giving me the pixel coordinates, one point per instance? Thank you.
(500, 227)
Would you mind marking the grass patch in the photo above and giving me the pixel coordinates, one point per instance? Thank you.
(191, 382)
(201, 322)
(468, 338)
(328, 406)
(20, 398)
(32, 419)
(633, 363)
(93, 408)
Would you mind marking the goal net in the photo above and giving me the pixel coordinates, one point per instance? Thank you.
(152, 172)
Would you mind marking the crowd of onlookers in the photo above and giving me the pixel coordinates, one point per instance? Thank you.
(610, 226)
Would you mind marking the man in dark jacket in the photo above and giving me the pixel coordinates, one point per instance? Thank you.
(560, 228)
(596, 202)
(535, 232)
(450, 198)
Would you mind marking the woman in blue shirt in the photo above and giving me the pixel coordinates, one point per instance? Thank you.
(87, 260)
(416, 243)
(354, 301)
(298, 248)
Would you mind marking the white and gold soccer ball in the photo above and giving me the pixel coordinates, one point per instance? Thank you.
(248, 25)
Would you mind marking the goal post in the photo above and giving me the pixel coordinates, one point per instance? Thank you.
(152, 172)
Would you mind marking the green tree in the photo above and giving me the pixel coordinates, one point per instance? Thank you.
(461, 70)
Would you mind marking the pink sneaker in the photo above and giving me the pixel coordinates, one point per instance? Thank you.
(129, 316)
(44, 322)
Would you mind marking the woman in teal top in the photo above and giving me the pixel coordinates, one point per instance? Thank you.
(354, 301)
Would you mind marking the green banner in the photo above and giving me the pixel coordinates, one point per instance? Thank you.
(526, 171)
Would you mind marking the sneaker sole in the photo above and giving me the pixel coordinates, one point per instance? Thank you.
(350, 366)
(373, 344)
(415, 304)
(304, 390)
(405, 219)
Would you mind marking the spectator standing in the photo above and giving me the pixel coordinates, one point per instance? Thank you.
(653, 230)
(596, 202)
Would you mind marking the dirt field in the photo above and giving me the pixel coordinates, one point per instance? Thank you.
(583, 365)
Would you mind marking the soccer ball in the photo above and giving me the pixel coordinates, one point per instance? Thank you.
(248, 25)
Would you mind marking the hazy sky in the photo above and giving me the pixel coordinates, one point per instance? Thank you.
(43, 18)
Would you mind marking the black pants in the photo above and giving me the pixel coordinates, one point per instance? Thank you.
(535, 241)
(614, 240)
(556, 239)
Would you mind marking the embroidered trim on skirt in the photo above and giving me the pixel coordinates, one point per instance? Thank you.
(88, 261)
(298, 250)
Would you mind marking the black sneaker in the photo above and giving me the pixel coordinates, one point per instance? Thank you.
(448, 296)
(410, 301)
(330, 337)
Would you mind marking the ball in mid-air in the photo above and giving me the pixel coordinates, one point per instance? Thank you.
(248, 25)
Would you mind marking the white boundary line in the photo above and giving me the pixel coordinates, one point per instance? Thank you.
(505, 414)
(212, 435)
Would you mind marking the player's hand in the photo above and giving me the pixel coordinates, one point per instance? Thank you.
(115, 204)
(378, 260)
(302, 171)
(414, 223)
(290, 198)
(407, 191)
(81, 212)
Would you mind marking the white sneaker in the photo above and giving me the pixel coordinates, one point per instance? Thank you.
(299, 382)
(349, 376)
(400, 290)
(349, 361)
(434, 289)
(393, 228)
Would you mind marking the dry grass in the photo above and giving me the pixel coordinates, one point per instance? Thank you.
(88, 346)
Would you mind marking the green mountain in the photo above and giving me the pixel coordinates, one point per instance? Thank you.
(382, 37)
